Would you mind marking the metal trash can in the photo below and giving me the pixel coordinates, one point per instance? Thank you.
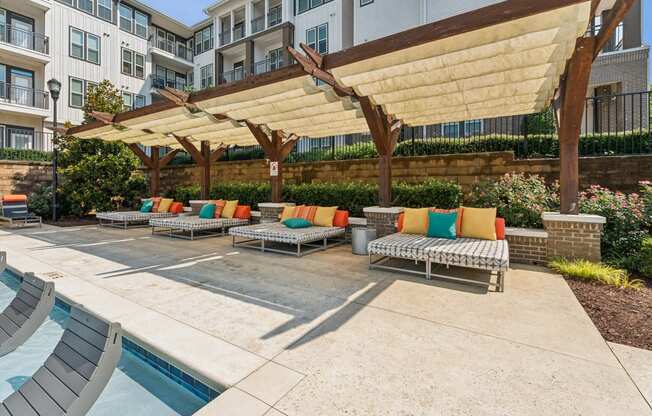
(360, 238)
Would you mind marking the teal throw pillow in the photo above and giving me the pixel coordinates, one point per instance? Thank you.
(297, 223)
(442, 225)
(147, 206)
(207, 212)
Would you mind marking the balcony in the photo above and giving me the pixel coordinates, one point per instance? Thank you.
(238, 31)
(615, 43)
(160, 82)
(225, 38)
(267, 65)
(234, 75)
(29, 44)
(18, 138)
(26, 97)
(275, 16)
(257, 24)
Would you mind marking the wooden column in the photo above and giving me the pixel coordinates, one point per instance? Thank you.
(206, 170)
(154, 163)
(276, 151)
(204, 158)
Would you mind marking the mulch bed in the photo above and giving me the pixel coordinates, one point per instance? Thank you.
(622, 315)
(73, 221)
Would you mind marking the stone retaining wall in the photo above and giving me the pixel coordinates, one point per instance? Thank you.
(23, 177)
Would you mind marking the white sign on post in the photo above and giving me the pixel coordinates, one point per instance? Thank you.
(273, 168)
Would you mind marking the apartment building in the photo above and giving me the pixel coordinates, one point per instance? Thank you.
(139, 49)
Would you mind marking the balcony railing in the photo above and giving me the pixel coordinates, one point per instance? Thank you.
(178, 50)
(237, 74)
(267, 65)
(15, 94)
(258, 24)
(160, 82)
(225, 38)
(24, 39)
(238, 31)
(615, 43)
(26, 139)
(275, 16)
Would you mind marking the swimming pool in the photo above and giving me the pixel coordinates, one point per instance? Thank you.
(137, 387)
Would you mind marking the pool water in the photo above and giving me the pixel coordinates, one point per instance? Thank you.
(135, 388)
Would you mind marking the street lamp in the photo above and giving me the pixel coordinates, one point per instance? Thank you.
(55, 88)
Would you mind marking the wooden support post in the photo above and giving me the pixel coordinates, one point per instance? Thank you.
(204, 158)
(155, 163)
(276, 151)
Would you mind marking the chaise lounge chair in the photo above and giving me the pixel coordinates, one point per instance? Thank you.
(317, 238)
(74, 375)
(15, 211)
(192, 227)
(130, 219)
(26, 312)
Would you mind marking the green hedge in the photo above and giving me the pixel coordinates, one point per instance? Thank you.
(24, 154)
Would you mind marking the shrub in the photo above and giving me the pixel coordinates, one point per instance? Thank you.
(431, 193)
(646, 197)
(349, 196)
(24, 154)
(247, 193)
(184, 193)
(519, 199)
(626, 221)
(40, 201)
(645, 262)
(597, 272)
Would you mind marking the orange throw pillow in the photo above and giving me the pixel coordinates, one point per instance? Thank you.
(399, 222)
(176, 208)
(500, 228)
(219, 207)
(307, 212)
(157, 201)
(14, 198)
(458, 221)
(341, 219)
(242, 212)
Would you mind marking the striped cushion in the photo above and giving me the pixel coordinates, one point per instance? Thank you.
(195, 223)
(132, 216)
(279, 233)
(307, 212)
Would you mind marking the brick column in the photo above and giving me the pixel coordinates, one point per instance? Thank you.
(271, 212)
(382, 219)
(574, 236)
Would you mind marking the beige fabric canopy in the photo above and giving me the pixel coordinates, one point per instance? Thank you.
(504, 69)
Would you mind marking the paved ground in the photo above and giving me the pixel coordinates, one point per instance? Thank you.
(323, 335)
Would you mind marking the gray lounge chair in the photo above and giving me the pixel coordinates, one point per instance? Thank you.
(3, 261)
(26, 312)
(17, 214)
(74, 375)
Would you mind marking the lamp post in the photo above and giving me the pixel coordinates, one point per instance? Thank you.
(55, 88)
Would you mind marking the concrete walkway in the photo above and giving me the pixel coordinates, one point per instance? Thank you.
(322, 335)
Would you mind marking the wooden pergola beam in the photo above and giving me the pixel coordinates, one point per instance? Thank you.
(154, 163)
(204, 158)
(615, 16)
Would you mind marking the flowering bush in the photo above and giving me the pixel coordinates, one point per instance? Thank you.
(646, 196)
(520, 199)
(626, 224)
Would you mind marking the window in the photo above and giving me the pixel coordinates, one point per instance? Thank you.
(126, 17)
(105, 9)
(93, 48)
(191, 78)
(317, 38)
(204, 40)
(305, 5)
(139, 66)
(127, 62)
(141, 24)
(139, 101)
(90, 85)
(365, 2)
(77, 43)
(451, 129)
(206, 73)
(472, 128)
(85, 5)
(68, 2)
(128, 101)
(76, 98)
(275, 59)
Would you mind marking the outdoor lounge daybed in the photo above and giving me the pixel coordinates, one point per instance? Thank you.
(474, 253)
(75, 374)
(15, 211)
(316, 238)
(26, 312)
(127, 219)
(193, 227)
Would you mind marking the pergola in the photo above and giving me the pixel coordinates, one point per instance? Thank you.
(511, 58)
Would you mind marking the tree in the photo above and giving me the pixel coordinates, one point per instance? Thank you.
(96, 173)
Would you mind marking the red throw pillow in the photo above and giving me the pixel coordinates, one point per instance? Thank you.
(341, 219)
(176, 208)
(14, 198)
(399, 222)
(500, 228)
(242, 212)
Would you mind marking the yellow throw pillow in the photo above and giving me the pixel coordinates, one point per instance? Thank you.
(479, 223)
(324, 216)
(415, 221)
(165, 204)
(288, 212)
(229, 209)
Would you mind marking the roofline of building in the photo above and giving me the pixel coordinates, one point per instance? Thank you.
(169, 19)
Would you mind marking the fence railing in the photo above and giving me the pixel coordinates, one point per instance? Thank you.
(257, 24)
(612, 125)
(24, 39)
(160, 82)
(267, 65)
(177, 49)
(25, 139)
(237, 74)
(16, 94)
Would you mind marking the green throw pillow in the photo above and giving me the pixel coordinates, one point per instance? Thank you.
(147, 206)
(207, 211)
(297, 223)
(442, 225)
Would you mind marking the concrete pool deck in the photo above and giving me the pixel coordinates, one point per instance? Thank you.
(323, 335)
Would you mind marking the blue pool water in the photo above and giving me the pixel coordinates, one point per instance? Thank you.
(136, 387)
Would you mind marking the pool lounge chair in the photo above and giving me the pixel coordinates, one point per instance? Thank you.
(263, 237)
(75, 374)
(192, 227)
(14, 210)
(129, 219)
(492, 256)
(26, 312)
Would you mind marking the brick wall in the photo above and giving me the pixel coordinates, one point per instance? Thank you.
(616, 172)
(21, 177)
